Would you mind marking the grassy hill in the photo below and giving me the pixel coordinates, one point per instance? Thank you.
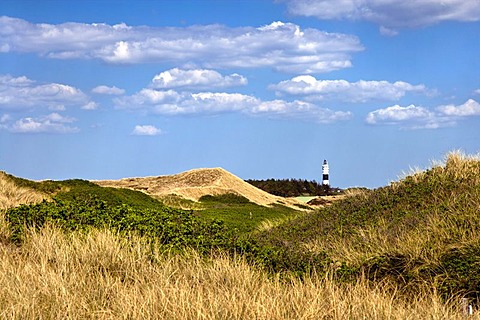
(96, 203)
(422, 229)
(407, 250)
(13, 194)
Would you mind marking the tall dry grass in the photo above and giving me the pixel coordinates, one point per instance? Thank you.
(12, 195)
(100, 275)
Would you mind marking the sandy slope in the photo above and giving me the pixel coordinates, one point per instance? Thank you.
(196, 183)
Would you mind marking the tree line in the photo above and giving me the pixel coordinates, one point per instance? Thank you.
(293, 187)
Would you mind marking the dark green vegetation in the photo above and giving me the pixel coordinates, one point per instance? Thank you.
(81, 205)
(421, 231)
(293, 187)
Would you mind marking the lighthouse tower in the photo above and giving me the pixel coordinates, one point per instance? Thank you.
(325, 179)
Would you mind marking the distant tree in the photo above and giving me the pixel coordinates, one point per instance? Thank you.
(293, 187)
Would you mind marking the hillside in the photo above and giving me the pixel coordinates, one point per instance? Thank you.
(12, 195)
(420, 230)
(409, 250)
(197, 183)
(76, 196)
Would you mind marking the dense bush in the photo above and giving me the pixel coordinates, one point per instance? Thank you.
(170, 227)
(293, 187)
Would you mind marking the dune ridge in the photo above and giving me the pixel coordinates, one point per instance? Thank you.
(194, 184)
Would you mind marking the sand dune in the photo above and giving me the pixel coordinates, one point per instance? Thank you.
(196, 183)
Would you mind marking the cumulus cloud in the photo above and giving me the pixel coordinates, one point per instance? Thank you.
(52, 123)
(146, 130)
(389, 14)
(360, 91)
(415, 117)
(282, 46)
(186, 103)
(396, 113)
(299, 110)
(195, 78)
(477, 92)
(469, 108)
(108, 90)
(19, 93)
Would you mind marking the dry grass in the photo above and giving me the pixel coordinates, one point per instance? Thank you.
(457, 165)
(268, 224)
(12, 195)
(100, 275)
(194, 184)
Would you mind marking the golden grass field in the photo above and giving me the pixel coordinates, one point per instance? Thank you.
(102, 276)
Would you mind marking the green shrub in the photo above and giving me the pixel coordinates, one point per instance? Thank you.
(459, 272)
(170, 227)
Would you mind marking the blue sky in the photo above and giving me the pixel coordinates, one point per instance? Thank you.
(264, 89)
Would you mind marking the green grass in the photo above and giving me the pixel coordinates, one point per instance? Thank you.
(82, 189)
(305, 199)
(239, 214)
(77, 189)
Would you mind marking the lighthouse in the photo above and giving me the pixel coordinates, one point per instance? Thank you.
(325, 180)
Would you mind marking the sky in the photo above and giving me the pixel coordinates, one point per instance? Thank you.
(264, 89)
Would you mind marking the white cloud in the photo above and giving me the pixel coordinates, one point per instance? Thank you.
(148, 97)
(23, 93)
(389, 14)
(469, 108)
(90, 106)
(477, 92)
(52, 123)
(299, 110)
(414, 117)
(108, 90)
(173, 103)
(185, 103)
(396, 113)
(281, 46)
(195, 78)
(146, 130)
(384, 31)
(411, 117)
(360, 91)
